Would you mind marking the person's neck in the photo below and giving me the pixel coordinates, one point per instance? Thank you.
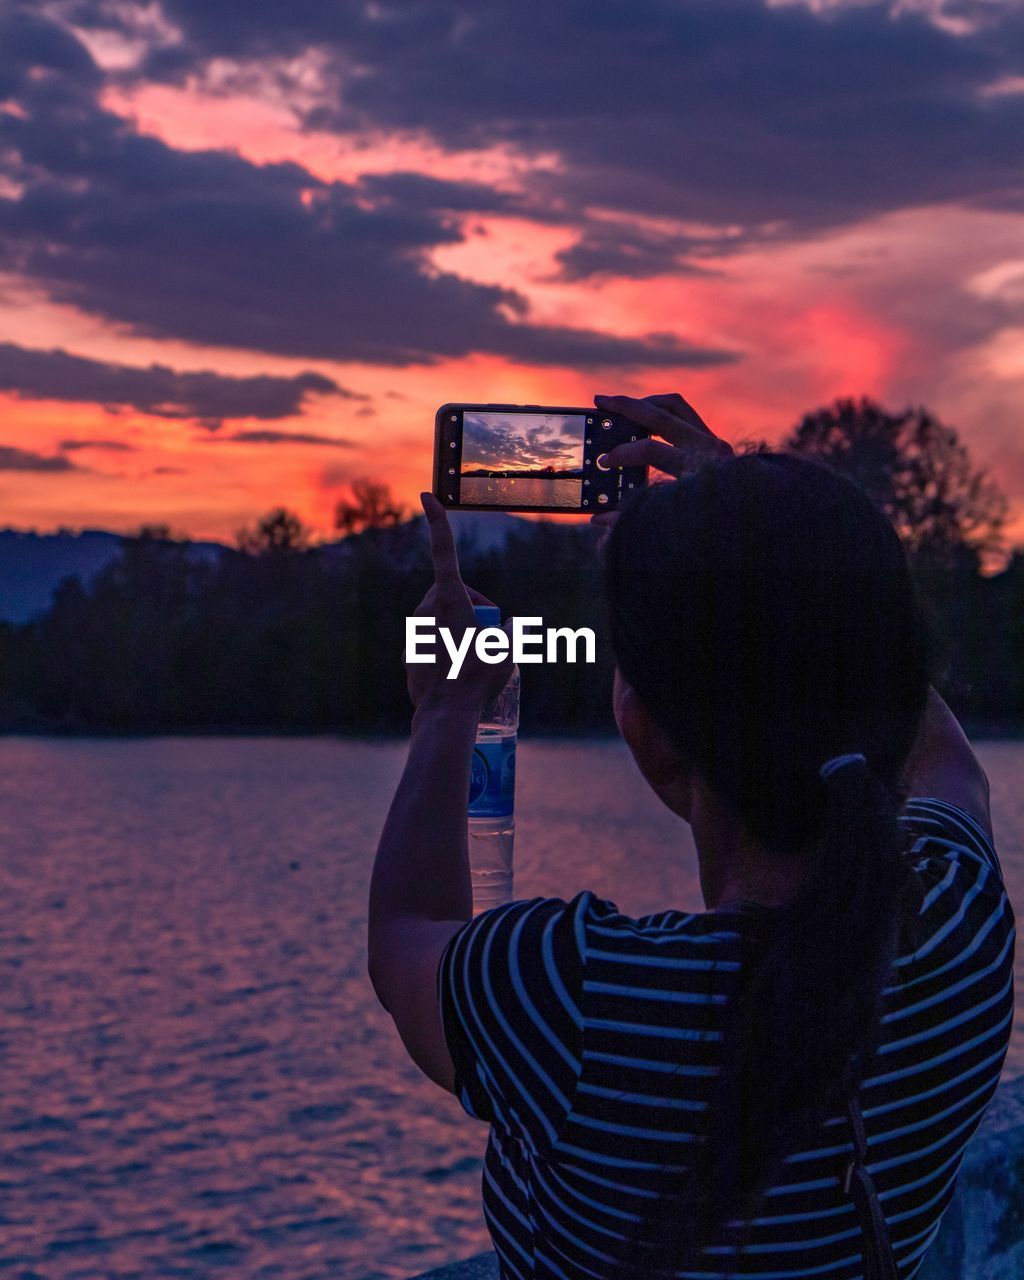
(734, 867)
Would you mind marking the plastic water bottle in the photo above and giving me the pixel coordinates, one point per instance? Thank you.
(492, 790)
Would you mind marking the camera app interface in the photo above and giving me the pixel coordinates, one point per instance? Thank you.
(525, 459)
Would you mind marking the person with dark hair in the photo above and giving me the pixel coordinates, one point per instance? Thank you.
(784, 1084)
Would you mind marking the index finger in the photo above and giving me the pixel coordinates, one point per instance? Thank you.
(442, 544)
(656, 419)
(680, 408)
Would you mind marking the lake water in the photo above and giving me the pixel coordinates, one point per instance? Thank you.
(196, 1079)
(532, 491)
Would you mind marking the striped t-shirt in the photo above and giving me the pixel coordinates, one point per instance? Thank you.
(589, 1040)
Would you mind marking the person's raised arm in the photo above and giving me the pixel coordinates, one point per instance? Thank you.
(420, 891)
(942, 764)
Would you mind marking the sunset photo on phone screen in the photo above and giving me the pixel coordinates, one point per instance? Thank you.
(529, 459)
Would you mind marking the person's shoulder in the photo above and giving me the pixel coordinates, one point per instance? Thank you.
(520, 912)
(523, 927)
(510, 985)
(945, 833)
(961, 913)
(606, 928)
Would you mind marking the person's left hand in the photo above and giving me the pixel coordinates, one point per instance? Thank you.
(451, 602)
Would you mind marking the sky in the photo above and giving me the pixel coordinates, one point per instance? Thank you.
(525, 442)
(247, 249)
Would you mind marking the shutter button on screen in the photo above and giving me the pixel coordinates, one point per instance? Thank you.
(603, 463)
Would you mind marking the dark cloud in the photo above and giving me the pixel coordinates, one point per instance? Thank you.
(167, 393)
(522, 443)
(615, 249)
(747, 120)
(14, 459)
(210, 248)
(733, 112)
(437, 195)
(287, 437)
(112, 446)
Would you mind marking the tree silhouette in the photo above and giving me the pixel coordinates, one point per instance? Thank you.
(280, 532)
(283, 635)
(918, 471)
(370, 506)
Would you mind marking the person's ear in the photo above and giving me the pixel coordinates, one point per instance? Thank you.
(656, 757)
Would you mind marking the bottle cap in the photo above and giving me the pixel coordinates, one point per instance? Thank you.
(487, 615)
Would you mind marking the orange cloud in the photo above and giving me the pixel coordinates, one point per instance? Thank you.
(871, 309)
(265, 131)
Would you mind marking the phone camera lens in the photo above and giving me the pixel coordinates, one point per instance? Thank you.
(454, 418)
(606, 423)
(451, 444)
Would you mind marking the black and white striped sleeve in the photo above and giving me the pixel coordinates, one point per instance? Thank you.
(945, 828)
(510, 986)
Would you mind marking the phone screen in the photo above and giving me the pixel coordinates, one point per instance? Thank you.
(531, 457)
(522, 459)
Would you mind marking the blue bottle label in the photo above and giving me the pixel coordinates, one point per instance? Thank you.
(493, 779)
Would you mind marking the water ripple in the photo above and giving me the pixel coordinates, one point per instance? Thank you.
(197, 1078)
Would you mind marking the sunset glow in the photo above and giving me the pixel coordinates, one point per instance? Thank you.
(316, 249)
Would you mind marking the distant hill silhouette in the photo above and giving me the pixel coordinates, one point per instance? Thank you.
(140, 634)
(33, 564)
(279, 636)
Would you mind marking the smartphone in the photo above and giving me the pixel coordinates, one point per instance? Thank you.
(531, 457)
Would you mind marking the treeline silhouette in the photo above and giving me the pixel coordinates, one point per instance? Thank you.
(279, 635)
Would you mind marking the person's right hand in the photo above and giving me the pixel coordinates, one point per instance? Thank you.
(680, 440)
(451, 603)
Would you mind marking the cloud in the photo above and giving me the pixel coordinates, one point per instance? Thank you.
(421, 191)
(526, 443)
(14, 459)
(287, 437)
(614, 248)
(166, 393)
(207, 247)
(113, 446)
(812, 115)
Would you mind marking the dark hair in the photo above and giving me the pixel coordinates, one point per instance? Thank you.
(764, 612)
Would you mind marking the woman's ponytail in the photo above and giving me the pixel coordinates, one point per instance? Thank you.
(803, 1025)
(763, 611)
(807, 1012)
